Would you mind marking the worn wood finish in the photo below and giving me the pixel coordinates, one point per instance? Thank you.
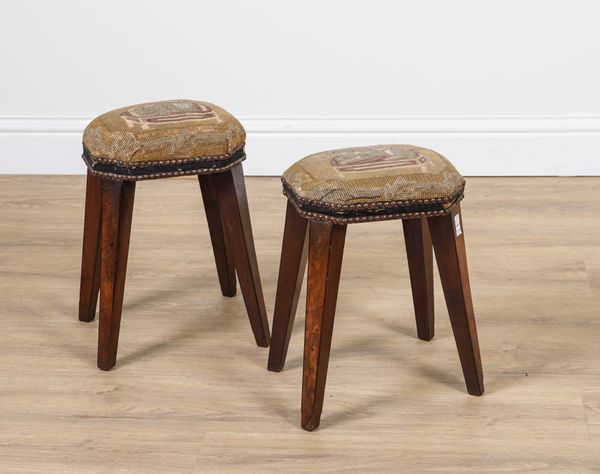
(90, 260)
(220, 244)
(190, 394)
(326, 248)
(231, 191)
(291, 274)
(117, 210)
(419, 253)
(449, 242)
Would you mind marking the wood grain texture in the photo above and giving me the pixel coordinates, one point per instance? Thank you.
(191, 394)
(233, 202)
(89, 286)
(117, 211)
(294, 252)
(419, 255)
(325, 253)
(448, 237)
(218, 238)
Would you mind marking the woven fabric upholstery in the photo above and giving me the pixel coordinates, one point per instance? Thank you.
(373, 183)
(165, 138)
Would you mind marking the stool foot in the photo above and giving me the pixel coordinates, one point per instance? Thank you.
(325, 251)
(449, 244)
(117, 210)
(220, 243)
(233, 203)
(419, 252)
(291, 273)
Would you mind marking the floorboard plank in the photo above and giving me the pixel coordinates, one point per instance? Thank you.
(182, 400)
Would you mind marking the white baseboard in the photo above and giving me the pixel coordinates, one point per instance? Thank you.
(478, 146)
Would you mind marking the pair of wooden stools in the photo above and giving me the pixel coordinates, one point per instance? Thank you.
(325, 191)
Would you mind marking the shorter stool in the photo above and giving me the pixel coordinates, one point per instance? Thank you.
(328, 190)
(159, 140)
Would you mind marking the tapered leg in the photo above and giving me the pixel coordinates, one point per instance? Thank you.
(220, 244)
(449, 244)
(233, 203)
(117, 209)
(291, 274)
(90, 260)
(326, 248)
(419, 252)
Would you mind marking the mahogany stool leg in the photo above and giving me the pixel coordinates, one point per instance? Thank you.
(419, 252)
(90, 260)
(291, 274)
(117, 210)
(231, 191)
(325, 251)
(220, 244)
(449, 244)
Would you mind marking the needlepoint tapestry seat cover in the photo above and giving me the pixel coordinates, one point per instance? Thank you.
(373, 183)
(166, 138)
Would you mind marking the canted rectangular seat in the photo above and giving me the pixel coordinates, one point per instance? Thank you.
(157, 140)
(161, 139)
(373, 183)
(327, 191)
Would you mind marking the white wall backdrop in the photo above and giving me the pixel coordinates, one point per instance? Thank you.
(507, 87)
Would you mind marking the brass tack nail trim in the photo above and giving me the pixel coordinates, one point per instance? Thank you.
(287, 190)
(368, 218)
(135, 173)
(134, 164)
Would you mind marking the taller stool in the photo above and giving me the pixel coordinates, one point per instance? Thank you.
(159, 140)
(329, 190)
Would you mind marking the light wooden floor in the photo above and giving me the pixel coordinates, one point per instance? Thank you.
(191, 393)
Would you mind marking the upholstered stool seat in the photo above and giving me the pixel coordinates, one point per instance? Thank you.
(373, 183)
(160, 139)
(157, 140)
(329, 190)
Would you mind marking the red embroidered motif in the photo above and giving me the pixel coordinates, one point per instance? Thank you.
(166, 112)
(378, 162)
